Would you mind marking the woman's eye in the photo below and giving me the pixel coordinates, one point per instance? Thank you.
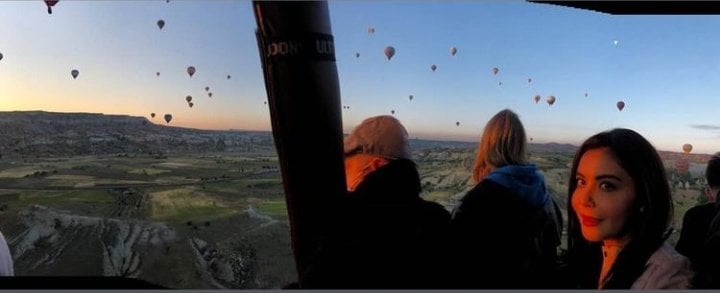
(580, 182)
(605, 186)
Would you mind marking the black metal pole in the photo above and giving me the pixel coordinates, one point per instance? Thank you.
(298, 58)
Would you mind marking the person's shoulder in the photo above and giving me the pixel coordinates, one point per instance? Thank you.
(666, 269)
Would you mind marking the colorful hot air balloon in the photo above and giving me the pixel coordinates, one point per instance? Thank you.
(188, 98)
(50, 4)
(191, 70)
(687, 148)
(161, 23)
(550, 100)
(74, 73)
(495, 70)
(537, 98)
(209, 95)
(433, 67)
(620, 105)
(152, 115)
(682, 165)
(453, 51)
(389, 52)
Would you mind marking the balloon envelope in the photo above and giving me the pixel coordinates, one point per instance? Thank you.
(188, 99)
(75, 73)
(191, 104)
(550, 100)
(161, 23)
(620, 105)
(1, 56)
(152, 115)
(537, 98)
(392, 112)
(228, 77)
(191, 70)
(433, 67)
(457, 123)
(157, 73)
(687, 148)
(453, 51)
(389, 52)
(495, 70)
(357, 55)
(50, 4)
(207, 88)
(209, 95)
(411, 97)
(371, 30)
(168, 117)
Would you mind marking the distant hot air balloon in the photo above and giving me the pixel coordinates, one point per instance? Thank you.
(392, 112)
(161, 23)
(495, 70)
(537, 98)
(550, 100)
(529, 80)
(687, 148)
(453, 51)
(433, 67)
(457, 123)
(50, 4)
(586, 94)
(209, 95)
(357, 55)
(228, 77)
(620, 105)
(191, 104)
(157, 73)
(371, 30)
(615, 42)
(500, 83)
(411, 97)
(1, 56)
(152, 115)
(531, 139)
(188, 98)
(389, 52)
(265, 102)
(207, 88)
(75, 73)
(168, 117)
(191, 70)
(682, 165)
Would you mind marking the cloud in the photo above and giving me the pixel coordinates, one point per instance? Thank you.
(705, 127)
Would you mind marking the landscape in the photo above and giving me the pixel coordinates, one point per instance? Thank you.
(92, 194)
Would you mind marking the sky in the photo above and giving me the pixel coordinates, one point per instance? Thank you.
(666, 69)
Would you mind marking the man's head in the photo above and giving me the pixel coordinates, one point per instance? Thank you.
(712, 175)
(371, 145)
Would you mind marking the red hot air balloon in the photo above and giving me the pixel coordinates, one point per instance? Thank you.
(620, 105)
(50, 4)
(191, 70)
(687, 148)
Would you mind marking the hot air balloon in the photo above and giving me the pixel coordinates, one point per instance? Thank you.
(453, 51)
(537, 98)
(209, 95)
(50, 4)
(75, 73)
(392, 112)
(615, 42)
(495, 70)
(188, 98)
(228, 77)
(191, 70)
(371, 30)
(620, 105)
(433, 67)
(357, 55)
(168, 117)
(682, 165)
(531, 139)
(1, 56)
(500, 83)
(457, 123)
(529, 80)
(191, 104)
(152, 115)
(157, 73)
(161, 23)
(411, 97)
(389, 52)
(207, 88)
(687, 148)
(586, 94)
(550, 100)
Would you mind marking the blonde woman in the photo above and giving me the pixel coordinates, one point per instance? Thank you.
(507, 228)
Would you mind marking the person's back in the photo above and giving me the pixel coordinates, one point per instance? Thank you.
(695, 226)
(707, 258)
(384, 235)
(506, 230)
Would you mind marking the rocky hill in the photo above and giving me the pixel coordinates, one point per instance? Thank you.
(38, 133)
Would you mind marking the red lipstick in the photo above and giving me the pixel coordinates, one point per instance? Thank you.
(589, 221)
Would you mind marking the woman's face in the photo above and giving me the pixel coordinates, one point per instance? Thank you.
(604, 196)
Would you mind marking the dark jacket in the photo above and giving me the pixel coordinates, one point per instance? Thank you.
(385, 235)
(695, 226)
(707, 263)
(505, 232)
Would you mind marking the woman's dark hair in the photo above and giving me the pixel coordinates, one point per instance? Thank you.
(712, 172)
(648, 223)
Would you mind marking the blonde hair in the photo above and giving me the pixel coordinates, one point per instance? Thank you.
(503, 142)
